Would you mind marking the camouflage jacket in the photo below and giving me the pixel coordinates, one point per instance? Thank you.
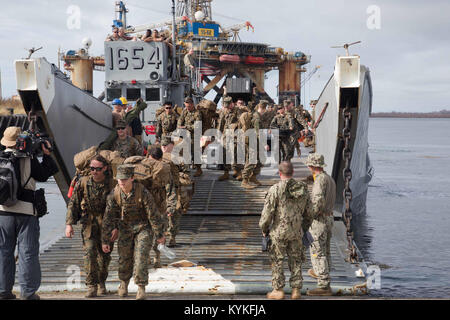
(132, 215)
(287, 211)
(129, 117)
(256, 121)
(88, 201)
(323, 194)
(188, 118)
(282, 122)
(266, 119)
(242, 110)
(299, 119)
(166, 124)
(227, 120)
(128, 147)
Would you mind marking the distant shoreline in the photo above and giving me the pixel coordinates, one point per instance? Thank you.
(393, 114)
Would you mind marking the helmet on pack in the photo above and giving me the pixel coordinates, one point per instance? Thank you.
(124, 100)
(117, 101)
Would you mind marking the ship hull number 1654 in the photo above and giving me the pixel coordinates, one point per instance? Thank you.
(135, 58)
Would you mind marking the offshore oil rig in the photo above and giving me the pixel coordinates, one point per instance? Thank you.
(216, 53)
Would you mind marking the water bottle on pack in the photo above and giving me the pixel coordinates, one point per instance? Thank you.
(166, 251)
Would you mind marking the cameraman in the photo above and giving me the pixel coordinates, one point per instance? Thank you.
(19, 224)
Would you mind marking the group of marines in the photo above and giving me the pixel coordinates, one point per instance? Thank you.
(141, 216)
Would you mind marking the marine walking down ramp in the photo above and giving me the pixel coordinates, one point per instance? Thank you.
(218, 249)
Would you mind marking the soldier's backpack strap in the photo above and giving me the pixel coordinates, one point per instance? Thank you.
(139, 194)
(118, 200)
(83, 184)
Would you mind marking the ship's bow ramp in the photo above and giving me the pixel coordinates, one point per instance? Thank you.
(218, 248)
(73, 118)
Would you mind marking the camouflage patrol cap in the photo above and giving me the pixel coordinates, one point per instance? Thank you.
(189, 100)
(263, 103)
(125, 171)
(121, 123)
(315, 160)
(279, 106)
(166, 141)
(227, 101)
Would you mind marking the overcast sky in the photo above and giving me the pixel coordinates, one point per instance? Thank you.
(407, 49)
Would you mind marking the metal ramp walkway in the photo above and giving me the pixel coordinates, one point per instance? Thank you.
(220, 235)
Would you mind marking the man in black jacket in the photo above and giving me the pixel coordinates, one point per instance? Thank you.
(19, 224)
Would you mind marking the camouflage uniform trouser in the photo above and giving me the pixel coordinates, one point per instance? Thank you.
(320, 249)
(186, 193)
(134, 249)
(278, 251)
(250, 169)
(285, 147)
(153, 240)
(174, 223)
(96, 262)
(292, 145)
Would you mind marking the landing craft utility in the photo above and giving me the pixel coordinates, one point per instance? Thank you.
(216, 60)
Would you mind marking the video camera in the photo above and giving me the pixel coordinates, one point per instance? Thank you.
(30, 143)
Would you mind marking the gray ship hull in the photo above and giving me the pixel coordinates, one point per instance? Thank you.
(329, 140)
(74, 119)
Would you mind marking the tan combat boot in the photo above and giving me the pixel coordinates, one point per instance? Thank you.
(312, 274)
(236, 172)
(225, 176)
(199, 172)
(320, 292)
(101, 290)
(255, 181)
(239, 177)
(296, 294)
(276, 294)
(92, 292)
(123, 288)
(141, 293)
(246, 184)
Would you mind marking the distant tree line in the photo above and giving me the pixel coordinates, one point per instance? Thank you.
(394, 114)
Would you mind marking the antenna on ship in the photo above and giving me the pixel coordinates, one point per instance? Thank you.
(345, 46)
(31, 51)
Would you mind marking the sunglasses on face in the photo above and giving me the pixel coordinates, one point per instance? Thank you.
(121, 128)
(168, 108)
(98, 169)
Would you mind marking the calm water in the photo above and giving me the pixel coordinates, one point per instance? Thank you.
(406, 228)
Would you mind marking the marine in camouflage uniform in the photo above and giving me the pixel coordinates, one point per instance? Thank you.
(250, 170)
(187, 121)
(126, 146)
(283, 122)
(135, 217)
(87, 205)
(309, 141)
(323, 196)
(300, 123)
(285, 217)
(174, 212)
(166, 123)
(228, 119)
(164, 194)
(129, 117)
